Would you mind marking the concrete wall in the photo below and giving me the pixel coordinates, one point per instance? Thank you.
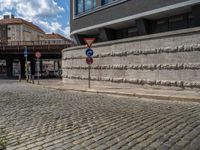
(169, 59)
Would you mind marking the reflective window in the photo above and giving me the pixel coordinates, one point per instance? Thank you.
(79, 6)
(84, 5)
(106, 1)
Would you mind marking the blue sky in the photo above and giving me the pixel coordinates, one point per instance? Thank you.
(50, 15)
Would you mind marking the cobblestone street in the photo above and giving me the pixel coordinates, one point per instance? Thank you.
(33, 118)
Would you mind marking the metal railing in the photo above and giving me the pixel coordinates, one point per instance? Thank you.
(32, 46)
(31, 43)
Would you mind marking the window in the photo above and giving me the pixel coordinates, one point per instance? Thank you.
(106, 1)
(84, 5)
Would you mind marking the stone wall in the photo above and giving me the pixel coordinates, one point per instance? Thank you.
(169, 59)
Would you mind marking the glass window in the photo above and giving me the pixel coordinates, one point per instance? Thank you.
(106, 1)
(88, 4)
(79, 6)
(85, 5)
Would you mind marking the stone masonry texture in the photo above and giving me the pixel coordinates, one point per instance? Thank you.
(34, 118)
(166, 59)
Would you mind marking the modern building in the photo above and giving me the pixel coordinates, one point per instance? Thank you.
(116, 19)
(19, 30)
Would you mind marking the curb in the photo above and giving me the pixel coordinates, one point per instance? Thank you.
(139, 95)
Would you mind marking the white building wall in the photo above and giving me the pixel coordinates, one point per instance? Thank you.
(23, 33)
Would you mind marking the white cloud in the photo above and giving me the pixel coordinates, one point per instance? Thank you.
(50, 27)
(67, 31)
(32, 8)
(54, 27)
(41, 12)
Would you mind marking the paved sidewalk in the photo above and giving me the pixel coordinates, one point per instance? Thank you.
(158, 93)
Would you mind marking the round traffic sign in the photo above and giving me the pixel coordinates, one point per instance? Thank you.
(38, 54)
(89, 60)
(89, 52)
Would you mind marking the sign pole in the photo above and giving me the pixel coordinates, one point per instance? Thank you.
(89, 76)
(38, 55)
(26, 67)
(38, 74)
(26, 62)
(89, 53)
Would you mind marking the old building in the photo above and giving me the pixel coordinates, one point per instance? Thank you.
(3, 34)
(19, 30)
(56, 38)
(116, 19)
(15, 35)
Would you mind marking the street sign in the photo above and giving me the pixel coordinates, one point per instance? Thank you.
(89, 41)
(25, 52)
(89, 52)
(89, 60)
(37, 54)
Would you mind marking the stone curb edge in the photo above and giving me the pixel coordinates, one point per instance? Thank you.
(139, 95)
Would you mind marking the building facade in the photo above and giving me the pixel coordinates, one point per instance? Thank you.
(56, 38)
(116, 19)
(3, 34)
(19, 30)
(15, 35)
(166, 56)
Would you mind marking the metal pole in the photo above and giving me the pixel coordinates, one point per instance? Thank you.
(20, 72)
(89, 76)
(26, 66)
(38, 69)
(30, 78)
(19, 78)
(33, 79)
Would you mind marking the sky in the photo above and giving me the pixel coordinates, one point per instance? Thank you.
(49, 15)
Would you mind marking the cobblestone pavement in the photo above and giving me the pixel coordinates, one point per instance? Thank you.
(36, 118)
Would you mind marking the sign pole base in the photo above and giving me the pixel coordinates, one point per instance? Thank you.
(89, 76)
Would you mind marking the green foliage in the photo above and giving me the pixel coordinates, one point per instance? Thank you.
(18, 141)
(3, 139)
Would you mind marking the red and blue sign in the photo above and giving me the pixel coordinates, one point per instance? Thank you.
(89, 60)
(89, 52)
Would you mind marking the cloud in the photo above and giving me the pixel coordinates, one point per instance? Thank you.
(50, 27)
(54, 27)
(67, 31)
(32, 8)
(43, 13)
